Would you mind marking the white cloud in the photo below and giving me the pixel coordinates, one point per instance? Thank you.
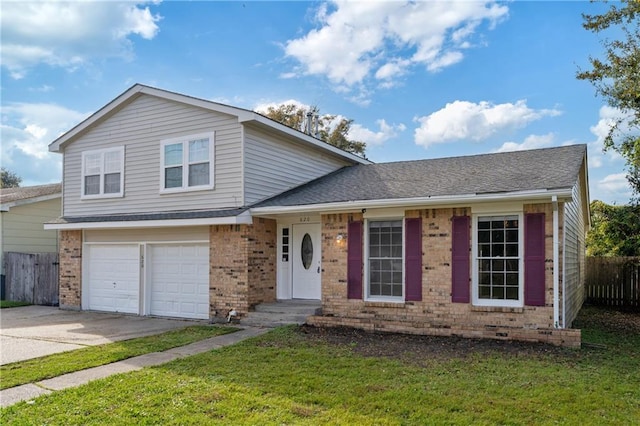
(371, 138)
(475, 121)
(68, 34)
(383, 39)
(614, 182)
(607, 118)
(530, 142)
(27, 130)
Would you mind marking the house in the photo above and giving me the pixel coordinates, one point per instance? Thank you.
(177, 206)
(23, 210)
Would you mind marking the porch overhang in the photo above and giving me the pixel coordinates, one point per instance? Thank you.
(153, 220)
(545, 195)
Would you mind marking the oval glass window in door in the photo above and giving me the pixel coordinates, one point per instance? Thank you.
(306, 251)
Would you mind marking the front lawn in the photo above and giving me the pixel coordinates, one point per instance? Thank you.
(304, 376)
(11, 304)
(37, 369)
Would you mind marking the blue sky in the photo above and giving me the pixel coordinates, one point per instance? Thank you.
(420, 79)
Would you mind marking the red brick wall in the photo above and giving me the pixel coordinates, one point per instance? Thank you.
(70, 269)
(242, 266)
(435, 314)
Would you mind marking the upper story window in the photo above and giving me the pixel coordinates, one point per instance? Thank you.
(187, 163)
(103, 173)
(498, 257)
(385, 259)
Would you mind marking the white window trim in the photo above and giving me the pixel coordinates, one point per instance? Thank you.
(389, 299)
(476, 300)
(185, 163)
(101, 194)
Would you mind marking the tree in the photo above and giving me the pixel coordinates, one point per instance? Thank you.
(9, 179)
(615, 230)
(331, 130)
(616, 78)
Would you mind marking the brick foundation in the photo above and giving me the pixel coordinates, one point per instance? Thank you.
(70, 269)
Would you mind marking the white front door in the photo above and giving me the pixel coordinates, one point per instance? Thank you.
(113, 277)
(305, 253)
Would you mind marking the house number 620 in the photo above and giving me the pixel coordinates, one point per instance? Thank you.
(304, 218)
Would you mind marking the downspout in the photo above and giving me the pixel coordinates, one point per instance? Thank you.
(556, 262)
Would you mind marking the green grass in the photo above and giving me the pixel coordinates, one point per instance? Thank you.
(284, 377)
(37, 369)
(10, 304)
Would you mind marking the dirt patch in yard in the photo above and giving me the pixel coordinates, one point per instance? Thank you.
(417, 349)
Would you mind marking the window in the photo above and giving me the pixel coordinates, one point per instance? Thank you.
(103, 173)
(385, 259)
(187, 163)
(498, 249)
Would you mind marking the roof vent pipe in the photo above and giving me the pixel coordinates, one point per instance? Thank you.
(309, 122)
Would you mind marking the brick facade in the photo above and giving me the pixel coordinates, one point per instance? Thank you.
(242, 266)
(435, 314)
(70, 269)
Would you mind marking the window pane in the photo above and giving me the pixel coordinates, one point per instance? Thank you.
(497, 236)
(497, 265)
(512, 265)
(112, 162)
(484, 236)
(92, 164)
(173, 177)
(485, 292)
(512, 236)
(112, 183)
(512, 293)
(91, 185)
(173, 155)
(512, 250)
(199, 174)
(199, 151)
(497, 250)
(512, 279)
(497, 293)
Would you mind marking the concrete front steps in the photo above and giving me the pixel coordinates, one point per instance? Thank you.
(282, 312)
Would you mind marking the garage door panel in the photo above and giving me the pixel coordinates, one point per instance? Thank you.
(179, 280)
(113, 278)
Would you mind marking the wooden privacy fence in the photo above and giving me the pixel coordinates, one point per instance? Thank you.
(31, 277)
(613, 281)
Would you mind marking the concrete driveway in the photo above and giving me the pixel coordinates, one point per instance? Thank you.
(34, 331)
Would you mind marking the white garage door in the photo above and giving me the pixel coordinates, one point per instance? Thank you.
(179, 280)
(114, 277)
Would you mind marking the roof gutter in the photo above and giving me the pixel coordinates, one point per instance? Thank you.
(241, 219)
(561, 194)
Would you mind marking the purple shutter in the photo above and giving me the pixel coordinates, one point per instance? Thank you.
(354, 260)
(534, 259)
(460, 260)
(413, 259)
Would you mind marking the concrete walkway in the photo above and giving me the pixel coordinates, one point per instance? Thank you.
(32, 390)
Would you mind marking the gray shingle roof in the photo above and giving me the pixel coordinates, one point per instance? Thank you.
(10, 195)
(541, 169)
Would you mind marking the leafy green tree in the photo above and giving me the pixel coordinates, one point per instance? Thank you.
(329, 131)
(9, 179)
(615, 230)
(616, 77)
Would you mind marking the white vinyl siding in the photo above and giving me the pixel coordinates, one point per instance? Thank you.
(573, 255)
(140, 126)
(274, 164)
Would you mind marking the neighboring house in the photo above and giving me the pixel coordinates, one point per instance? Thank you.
(23, 211)
(178, 206)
